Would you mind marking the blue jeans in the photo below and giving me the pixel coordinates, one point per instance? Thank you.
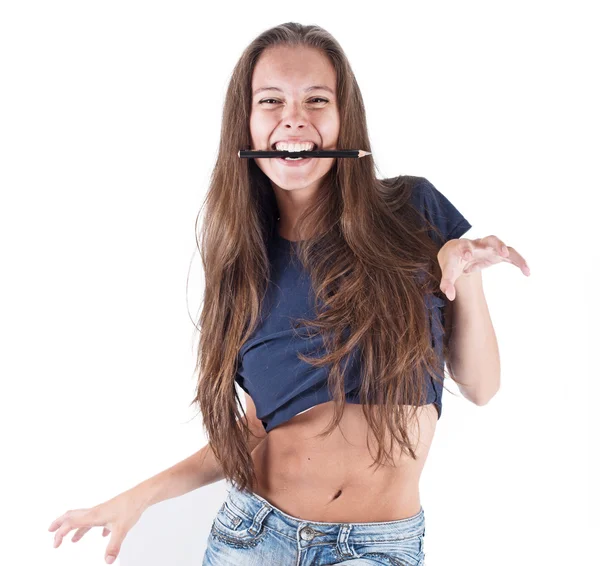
(250, 531)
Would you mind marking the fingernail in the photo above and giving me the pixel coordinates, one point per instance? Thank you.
(110, 559)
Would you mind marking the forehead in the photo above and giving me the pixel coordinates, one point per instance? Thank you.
(293, 69)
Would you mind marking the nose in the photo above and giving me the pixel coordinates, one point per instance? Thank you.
(294, 115)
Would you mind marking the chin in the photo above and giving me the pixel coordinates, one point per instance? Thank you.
(291, 186)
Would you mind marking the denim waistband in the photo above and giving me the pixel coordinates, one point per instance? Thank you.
(261, 512)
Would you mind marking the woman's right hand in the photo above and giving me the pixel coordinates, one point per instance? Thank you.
(117, 515)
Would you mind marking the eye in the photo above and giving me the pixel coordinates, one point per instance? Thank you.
(316, 98)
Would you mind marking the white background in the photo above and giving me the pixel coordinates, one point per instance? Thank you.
(110, 116)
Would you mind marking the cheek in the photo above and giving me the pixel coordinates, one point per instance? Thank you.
(256, 121)
(336, 128)
(253, 127)
(260, 132)
(330, 129)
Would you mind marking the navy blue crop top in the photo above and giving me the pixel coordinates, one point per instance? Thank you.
(282, 386)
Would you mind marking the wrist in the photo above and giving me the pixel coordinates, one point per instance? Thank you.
(145, 493)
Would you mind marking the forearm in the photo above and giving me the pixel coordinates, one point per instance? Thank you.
(198, 470)
(474, 354)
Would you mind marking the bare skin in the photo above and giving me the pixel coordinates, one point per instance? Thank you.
(329, 479)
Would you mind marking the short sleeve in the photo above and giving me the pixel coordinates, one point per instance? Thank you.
(439, 211)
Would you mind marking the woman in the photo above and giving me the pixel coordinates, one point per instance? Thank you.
(375, 273)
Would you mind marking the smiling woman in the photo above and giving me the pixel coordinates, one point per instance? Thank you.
(302, 276)
(322, 302)
(300, 109)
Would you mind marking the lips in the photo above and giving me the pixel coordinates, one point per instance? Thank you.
(287, 163)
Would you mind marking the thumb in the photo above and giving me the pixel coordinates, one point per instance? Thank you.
(114, 546)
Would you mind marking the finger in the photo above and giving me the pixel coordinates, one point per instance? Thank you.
(497, 245)
(73, 520)
(500, 247)
(54, 525)
(57, 522)
(114, 546)
(454, 264)
(451, 260)
(450, 274)
(79, 533)
(515, 257)
(511, 255)
(62, 532)
(465, 248)
(105, 532)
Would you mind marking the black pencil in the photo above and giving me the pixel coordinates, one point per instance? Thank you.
(318, 153)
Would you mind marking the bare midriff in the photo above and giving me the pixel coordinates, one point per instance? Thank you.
(329, 479)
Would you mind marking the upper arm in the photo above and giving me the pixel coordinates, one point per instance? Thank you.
(442, 214)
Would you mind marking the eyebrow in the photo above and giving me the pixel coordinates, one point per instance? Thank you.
(316, 87)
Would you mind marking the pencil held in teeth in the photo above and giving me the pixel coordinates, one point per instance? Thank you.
(356, 153)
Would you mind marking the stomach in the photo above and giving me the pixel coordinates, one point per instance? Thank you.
(329, 479)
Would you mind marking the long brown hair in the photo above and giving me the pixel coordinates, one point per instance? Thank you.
(370, 266)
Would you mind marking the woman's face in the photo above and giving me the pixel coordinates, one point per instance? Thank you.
(294, 111)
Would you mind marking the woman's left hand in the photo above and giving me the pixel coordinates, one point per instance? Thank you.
(463, 256)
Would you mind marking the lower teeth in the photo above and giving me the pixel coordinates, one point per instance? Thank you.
(293, 158)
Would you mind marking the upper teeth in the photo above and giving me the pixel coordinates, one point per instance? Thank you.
(284, 146)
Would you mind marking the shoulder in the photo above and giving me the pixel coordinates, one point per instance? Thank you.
(433, 206)
(409, 187)
(424, 194)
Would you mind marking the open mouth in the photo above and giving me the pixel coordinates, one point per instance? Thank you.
(274, 147)
(288, 159)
